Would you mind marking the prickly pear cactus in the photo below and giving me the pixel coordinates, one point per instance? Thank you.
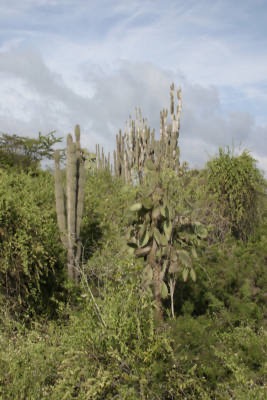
(157, 235)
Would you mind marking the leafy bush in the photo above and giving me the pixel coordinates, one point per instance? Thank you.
(24, 153)
(31, 257)
(237, 187)
(229, 364)
(105, 343)
(107, 200)
(242, 352)
(125, 356)
(231, 279)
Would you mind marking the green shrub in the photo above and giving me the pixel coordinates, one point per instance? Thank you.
(237, 187)
(123, 356)
(31, 258)
(242, 352)
(107, 200)
(231, 279)
(105, 343)
(226, 363)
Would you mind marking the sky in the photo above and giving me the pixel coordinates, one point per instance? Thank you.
(92, 62)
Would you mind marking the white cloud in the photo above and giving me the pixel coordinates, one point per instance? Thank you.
(63, 62)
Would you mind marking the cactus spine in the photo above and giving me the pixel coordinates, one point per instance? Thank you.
(69, 201)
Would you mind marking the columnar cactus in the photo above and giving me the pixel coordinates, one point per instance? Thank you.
(69, 201)
(169, 133)
(133, 149)
(102, 162)
(138, 144)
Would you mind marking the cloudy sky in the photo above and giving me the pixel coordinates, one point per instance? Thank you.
(93, 62)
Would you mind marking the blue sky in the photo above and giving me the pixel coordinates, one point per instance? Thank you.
(91, 62)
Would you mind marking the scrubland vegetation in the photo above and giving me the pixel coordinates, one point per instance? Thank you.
(167, 298)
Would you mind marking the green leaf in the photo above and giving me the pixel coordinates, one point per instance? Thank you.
(174, 268)
(131, 250)
(185, 274)
(147, 203)
(167, 212)
(163, 240)
(174, 256)
(156, 213)
(142, 230)
(147, 218)
(156, 234)
(147, 275)
(164, 251)
(194, 253)
(201, 231)
(136, 207)
(193, 275)
(160, 239)
(163, 211)
(159, 253)
(164, 290)
(167, 227)
(145, 239)
(184, 258)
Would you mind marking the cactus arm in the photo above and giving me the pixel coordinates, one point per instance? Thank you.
(60, 201)
(80, 197)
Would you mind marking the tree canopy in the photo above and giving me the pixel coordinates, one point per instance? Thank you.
(24, 152)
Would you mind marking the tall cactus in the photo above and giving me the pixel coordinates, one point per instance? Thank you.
(102, 161)
(138, 143)
(69, 201)
(134, 147)
(169, 133)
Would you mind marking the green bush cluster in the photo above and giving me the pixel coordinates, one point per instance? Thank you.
(129, 357)
(31, 258)
(237, 187)
(103, 341)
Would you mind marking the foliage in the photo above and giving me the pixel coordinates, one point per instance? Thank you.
(164, 233)
(127, 358)
(232, 281)
(26, 153)
(30, 253)
(105, 342)
(243, 354)
(237, 187)
(106, 215)
(226, 364)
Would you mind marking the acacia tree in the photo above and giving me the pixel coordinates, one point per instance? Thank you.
(26, 153)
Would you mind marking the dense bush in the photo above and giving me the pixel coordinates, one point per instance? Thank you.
(31, 258)
(120, 355)
(105, 343)
(24, 153)
(237, 187)
(230, 275)
(125, 355)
